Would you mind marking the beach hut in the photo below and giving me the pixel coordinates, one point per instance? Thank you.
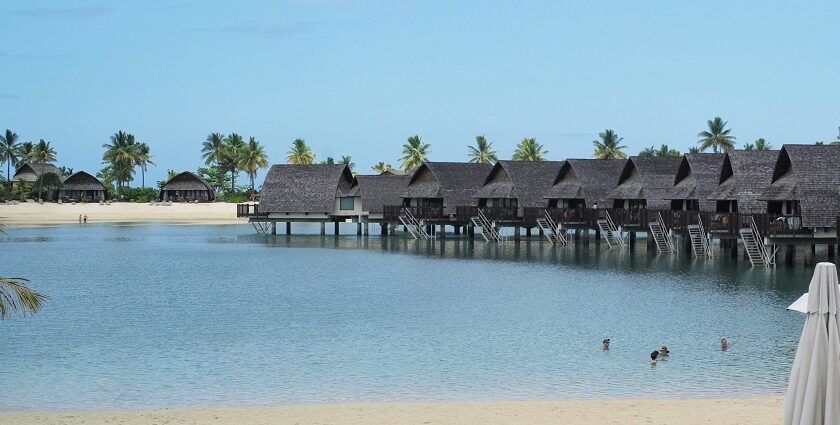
(314, 192)
(804, 191)
(187, 187)
(436, 189)
(645, 183)
(584, 183)
(82, 187)
(744, 176)
(697, 177)
(513, 186)
(29, 172)
(378, 191)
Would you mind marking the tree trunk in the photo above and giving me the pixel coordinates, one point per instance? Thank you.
(233, 181)
(143, 173)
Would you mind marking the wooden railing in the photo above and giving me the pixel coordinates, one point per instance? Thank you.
(393, 212)
(249, 210)
(465, 213)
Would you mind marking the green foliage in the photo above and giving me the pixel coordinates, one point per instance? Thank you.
(414, 153)
(22, 190)
(716, 137)
(663, 150)
(17, 296)
(237, 198)
(694, 150)
(381, 167)
(9, 154)
(609, 146)
(300, 153)
(120, 157)
(329, 161)
(482, 152)
(138, 194)
(348, 161)
(529, 150)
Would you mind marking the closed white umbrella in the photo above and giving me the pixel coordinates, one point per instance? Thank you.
(813, 395)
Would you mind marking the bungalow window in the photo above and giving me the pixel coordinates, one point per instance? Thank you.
(346, 203)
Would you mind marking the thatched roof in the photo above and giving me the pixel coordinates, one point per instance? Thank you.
(455, 182)
(188, 181)
(647, 177)
(697, 177)
(380, 190)
(809, 174)
(30, 171)
(744, 176)
(588, 179)
(81, 180)
(305, 188)
(526, 181)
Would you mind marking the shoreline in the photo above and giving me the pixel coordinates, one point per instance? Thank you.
(32, 214)
(750, 410)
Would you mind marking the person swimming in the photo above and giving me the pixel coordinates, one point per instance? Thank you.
(605, 344)
(663, 351)
(724, 344)
(654, 356)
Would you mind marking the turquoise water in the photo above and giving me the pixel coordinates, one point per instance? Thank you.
(149, 316)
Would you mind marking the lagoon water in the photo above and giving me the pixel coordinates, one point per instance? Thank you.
(149, 316)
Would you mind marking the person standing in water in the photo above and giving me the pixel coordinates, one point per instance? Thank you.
(605, 344)
(724, 344)
(654, 356)
(85, 218)
(80, 219)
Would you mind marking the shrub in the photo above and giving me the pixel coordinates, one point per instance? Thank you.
(137, 194)
(237, 198)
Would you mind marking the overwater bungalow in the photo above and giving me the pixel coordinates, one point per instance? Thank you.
(436, 189)
(744, 176)
(310, 193)
(644, 184)
(803, 197)
(29, 172)
(582, 184)
(378, 191)
(511, 188)
(187, 187)
(82, 187)
(697, 177)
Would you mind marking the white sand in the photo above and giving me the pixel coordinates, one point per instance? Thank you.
(748, 411)
(34, 214)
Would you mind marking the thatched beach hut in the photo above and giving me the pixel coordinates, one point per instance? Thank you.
(513, 186)
(187, 187)
(29, 172)
(697, 177)
(82, 187)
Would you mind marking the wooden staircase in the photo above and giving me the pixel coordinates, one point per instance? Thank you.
(553, 232)
(414, 226)
(661, 235)
(754, 245)
(488, 231)
(610, 232)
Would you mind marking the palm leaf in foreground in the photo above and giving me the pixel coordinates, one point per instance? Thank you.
(17, 296)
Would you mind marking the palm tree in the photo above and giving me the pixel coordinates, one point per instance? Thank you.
(694, 150)
(121, 155)
(253, 158)
(348, 161)
(749, 147)
(329, 161)
(300, 153)
(664, 150)
(232, 157)
(211, 151)
(716, 137)
(482, 152)
(16, 295)
(529, 150)
(651, 151)
(381, 167)
(762, 145)
(9, 153)
(144, 159)
(41, 154)
(608, 147)
(414, 153)
(25, 151)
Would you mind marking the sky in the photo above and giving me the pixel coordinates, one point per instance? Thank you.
(359, 77)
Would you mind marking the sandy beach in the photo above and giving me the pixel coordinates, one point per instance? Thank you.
(764, 411)
(34, 214)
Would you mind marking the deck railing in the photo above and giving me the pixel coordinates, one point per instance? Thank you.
(393, 212)
(249, 210)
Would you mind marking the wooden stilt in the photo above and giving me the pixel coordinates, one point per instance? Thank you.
(337, 232)
(359, 229)
(323, 228)
(273, 227)
(442, 233)
(288, 227)
(516, 235)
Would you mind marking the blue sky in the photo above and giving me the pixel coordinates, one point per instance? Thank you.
(358, 77)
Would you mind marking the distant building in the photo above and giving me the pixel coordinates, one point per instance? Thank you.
(187, 187)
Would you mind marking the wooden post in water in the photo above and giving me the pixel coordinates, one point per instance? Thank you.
(733, 249)
(516, 236)
(288, 227)
(632, 240)
(273, 227)
(359, 228)
(528, 232)
(337, 232)
(830, 249)
(323, 228)
(366, 229)
(442, 231)
(790, 254)
(457, 230)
